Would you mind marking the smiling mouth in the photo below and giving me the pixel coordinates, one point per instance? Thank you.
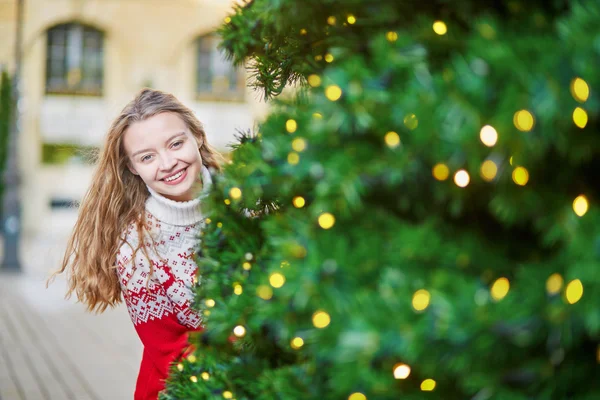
(174, 177)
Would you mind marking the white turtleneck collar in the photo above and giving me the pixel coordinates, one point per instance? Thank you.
(179, 213)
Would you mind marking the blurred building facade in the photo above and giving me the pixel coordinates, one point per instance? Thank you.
(83, 60)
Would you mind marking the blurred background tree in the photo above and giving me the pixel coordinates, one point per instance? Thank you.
(5, 110)
(423, 219)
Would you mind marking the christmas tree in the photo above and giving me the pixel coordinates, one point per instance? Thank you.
(417, 218)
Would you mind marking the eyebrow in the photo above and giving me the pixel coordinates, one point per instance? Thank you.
(167, 141)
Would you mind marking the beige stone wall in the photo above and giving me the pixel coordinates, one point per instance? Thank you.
(145, 41)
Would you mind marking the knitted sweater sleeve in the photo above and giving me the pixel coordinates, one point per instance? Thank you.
(159, 304)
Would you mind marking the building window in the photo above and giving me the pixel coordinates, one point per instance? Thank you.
(74, 60)
(216, 77)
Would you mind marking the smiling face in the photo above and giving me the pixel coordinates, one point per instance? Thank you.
(165, 155)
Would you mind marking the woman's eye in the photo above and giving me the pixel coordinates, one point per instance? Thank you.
(146, 157)
(177, 144)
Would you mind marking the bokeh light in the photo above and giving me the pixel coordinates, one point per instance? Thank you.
(580, 205)
(574, 291)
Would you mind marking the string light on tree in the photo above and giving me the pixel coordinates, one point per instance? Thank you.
(357, 396)
(237, 289)
(299, 144)
(239, 331)
(440, 28)
(205, 376)
(489, 170)
(297, 343)
(277, 280)
(298, 202)
(391, 36)
(520, 176)
(227, 20)
(227, 201)
(247, 266)
(194, 378)
(329, 57)
(192, 358)
(420, 300)
(235, 193)
(326, 220)
(227, 394)
(401, 371)
(180, 367)
(314, 80)
(321, 319)
(580, 205)
(293, 158)
(264, 292)
(524, 120)
(428, 385)
(411, 121)
(291, 125)
(554, 283)
(500, 289)
(392, 139)
(580, 117)
(209, 303)
(462, 178)
(331, 20)
(574, 291)
(351, 19)
(317, 115)
(333, 92)
(580, 90)
(488, 135)
(303, 31)
(440, 171)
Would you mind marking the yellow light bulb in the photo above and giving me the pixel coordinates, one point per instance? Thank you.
(401, 371)
(209, 303)
(351, 19)
(296, 343)
(318, 115)
(520, 176)
(489, 170)
(331, 20)
(303, 31)
(239, 331)
(392, 140)
(293, 158)
(227, 201)
(235, 193)
(237, 289)
(329, 57)
(227, 20)
(524, 120)
(391, 36)
(264, 292)
(441, 172)
(574, 291)
(580, 205)
(488, 135)
(291, 125)
(357, 396)
(321, 319)
(428, 385)
(580, 117)
(277, 280)
(314, 80)
(247, 266)
(440, 28)
(580, 90)
(333, 92)
(500, 289)
(298, 202)
(194, 378)
(326, 220)
(554, 283)
(180, 367)
(219, 224)
(205, 376)
(299, 144)
(411, 121)
(420, 300)
(462, 178)
(192, 358)
(227, 394)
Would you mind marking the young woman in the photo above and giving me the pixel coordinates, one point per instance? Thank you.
(138, 228)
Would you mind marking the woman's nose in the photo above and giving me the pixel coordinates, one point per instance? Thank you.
(167, 162)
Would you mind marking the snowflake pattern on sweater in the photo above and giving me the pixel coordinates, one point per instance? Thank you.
(171, 250)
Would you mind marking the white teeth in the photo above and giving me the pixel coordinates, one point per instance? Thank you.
(172, 178)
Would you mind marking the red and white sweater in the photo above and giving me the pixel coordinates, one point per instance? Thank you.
(160, 305)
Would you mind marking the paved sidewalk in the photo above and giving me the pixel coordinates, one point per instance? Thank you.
(50, 348)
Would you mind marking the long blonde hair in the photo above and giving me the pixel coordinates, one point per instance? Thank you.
(115, 199)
